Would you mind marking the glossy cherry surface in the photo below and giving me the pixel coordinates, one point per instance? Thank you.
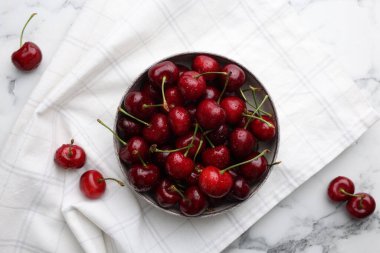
(212, 92)
(178, 166)
(136, 146)
(164, 195)
(185, 140)
(143, 176)
(127, 127)
(339, 187)
(194, 202)
(191, 86)
(240, 189)
(174, 97)
(234, 108)
(215, 183)
(134, 103)
(27, 57)
(242, 142)
(237, 76)
(262, 130)
(253, 170)
(218, 156)
(163, 69)
(92, 184)
(209, 114)
(70, 156)
(158, 130)
(361, 206)
(205, 63)
(179, 120)
(220, 135)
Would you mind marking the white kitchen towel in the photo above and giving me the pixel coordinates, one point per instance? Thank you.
(321, 113)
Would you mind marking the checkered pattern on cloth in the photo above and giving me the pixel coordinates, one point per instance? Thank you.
(321, 113)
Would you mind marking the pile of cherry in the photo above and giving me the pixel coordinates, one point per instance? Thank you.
(190, 137)
(359, 205)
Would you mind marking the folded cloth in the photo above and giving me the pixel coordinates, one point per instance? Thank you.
(321, 112)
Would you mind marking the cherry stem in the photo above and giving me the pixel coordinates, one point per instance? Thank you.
(113, 132)
(198, 149)
(135, 152)
(133, 117)
(70, 154)
(250, 104)
(23, 29)
(224, 87)
(192, 140)
(113, 179)
(350, 194)
(274, 163)
(210, 73)
(175, 189)
(153, 149)
(248, 161)
(204, 133)
(261, 119)
(147, 105)
(164, 103)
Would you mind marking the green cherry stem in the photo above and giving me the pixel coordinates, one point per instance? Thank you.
(274, 163)
(148, 105)
(164, 103)
(112, 131)
(204, 133)
(198, 149)
(252, 105)
(135, 152)
(209, 73)
(153, 149)
(224, 87)
(70, 153)
(353, 195)
(110, 178)
(192, 140)
(261, 119)
(23, 29)
(133, 117)
(248, 161)
(173, 188)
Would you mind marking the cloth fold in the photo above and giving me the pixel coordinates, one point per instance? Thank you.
(321, 112)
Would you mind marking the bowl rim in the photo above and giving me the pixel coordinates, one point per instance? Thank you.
(233, 205)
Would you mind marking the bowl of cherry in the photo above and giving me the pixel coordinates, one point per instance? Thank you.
(196, 134)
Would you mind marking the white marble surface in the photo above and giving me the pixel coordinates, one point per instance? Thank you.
(305, 221)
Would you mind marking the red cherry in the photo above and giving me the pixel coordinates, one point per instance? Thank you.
(194, 176)
(165, 195)
(173, 97)
(240, 189)
(158, 131)
(127, 128)
(134, 103)
(143, 176)
(29, 55)
(204, 63)
(220, 135)
(149, 90)
(191, 85)
(163, 69)
(209, 114)
(180, 120)
(70, 156)
(135, 147)
(159, 158)
(178, 166)
(253, 170)
(194, 202)
(185, 140)
(339, 187)
(236, 79)
(262, 130)
(192, 109)
(93, 185)
(212, 92)
(242, 142)
(361, 205)
(218, 156)
(234, 107)
(215, 183)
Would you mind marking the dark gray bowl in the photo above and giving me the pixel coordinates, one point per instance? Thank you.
(186, 59)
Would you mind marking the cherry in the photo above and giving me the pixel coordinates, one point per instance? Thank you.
(237, 77)
(186, 139)
(149, 90)
(192, 109)
(339, 187)
(93, 185)
(204, 63)
(220, 135)
(29, 55)
(215, 183)
(157, 130)
(193, 202)
(143, 176)
(180, 120)
(242, 142)
(234, 108)
(218, 156)
(174, 97)
(193, 178)
(191, 85)
(361, 205)
(212, 93)
(253, 170)
(165, 195)
(164, 70)
(160, 157)
(240, 189)
(134, 103)
(135, 147)
(209, 114)
(70, 156)
(262, 130)
(127, 128)
(178, 166)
